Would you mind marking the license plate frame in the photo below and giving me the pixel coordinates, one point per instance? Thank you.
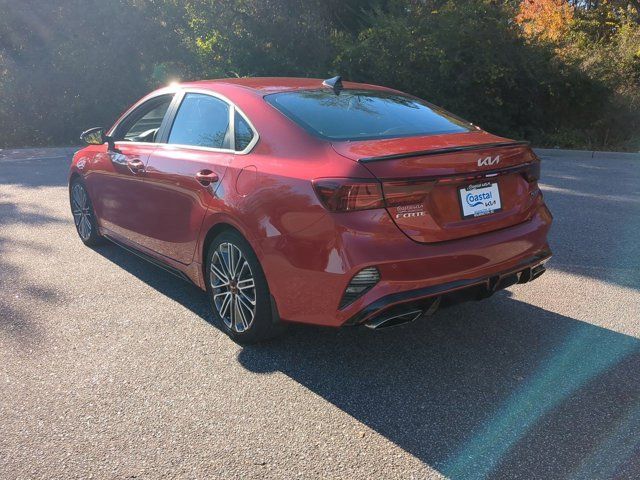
(479, 199)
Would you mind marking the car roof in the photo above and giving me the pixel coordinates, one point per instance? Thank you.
(267, 85)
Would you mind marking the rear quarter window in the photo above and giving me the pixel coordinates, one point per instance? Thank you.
(365, 114)
(243, 133)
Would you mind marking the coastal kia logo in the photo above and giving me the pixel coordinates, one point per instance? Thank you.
(473, 200)
(487, 162)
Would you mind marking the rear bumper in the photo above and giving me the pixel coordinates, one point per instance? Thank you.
(309, 271)
(406, 306)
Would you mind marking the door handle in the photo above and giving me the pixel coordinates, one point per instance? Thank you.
(206, 177)
(118, 158)
(136, 165)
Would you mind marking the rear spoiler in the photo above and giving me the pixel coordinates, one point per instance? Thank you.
(441, 151)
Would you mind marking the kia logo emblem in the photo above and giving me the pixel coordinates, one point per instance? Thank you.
(487, 162)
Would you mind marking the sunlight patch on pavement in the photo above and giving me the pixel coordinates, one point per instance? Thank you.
(615, 450)
(585, 354)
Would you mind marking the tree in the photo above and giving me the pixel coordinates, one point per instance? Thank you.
(553, 71)
(62, 71)
(545, 19)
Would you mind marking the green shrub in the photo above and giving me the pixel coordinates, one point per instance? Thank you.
(72, 64)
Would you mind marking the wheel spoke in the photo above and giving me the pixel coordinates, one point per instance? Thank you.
(219, 272)
(242, 316)
(238, 260)
(246, 283)
(237, 320)
(245, 264)
(249, 306)
(232, 312)
(81, 227)
(77, 196)
(223, 294)
(86, 227)
(80, 196)
(224, 262)
(77, 216)
(246, 298)
(225, 305)
(229, 259)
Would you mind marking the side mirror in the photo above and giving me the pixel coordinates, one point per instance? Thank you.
(97, 136)
(93, 136)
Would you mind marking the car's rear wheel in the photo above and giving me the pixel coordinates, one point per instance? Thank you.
(238, 290)
(83, 214)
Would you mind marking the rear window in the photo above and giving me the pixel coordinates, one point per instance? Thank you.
(364, 114)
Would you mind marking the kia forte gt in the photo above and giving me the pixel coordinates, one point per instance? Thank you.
(311, 201)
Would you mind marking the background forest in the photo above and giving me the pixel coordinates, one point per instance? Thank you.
(556, 72)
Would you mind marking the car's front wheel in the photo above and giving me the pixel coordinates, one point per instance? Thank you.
(238, 290)
(83, 214)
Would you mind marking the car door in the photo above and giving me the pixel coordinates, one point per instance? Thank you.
(184, 173)
(116, 183)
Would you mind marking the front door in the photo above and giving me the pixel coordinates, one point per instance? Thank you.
(117, 180)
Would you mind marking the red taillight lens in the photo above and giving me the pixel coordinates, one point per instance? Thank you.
(347, 194)
(408, 192)
(532, 173)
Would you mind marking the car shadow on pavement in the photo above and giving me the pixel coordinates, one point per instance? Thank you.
(179, 290)
(498, 389)
(16, 286)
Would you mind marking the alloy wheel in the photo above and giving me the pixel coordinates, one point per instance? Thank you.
(81, 209)
(233, 287)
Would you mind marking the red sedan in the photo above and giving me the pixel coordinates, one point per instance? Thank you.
(320, 202)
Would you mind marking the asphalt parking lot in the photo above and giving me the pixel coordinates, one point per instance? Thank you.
(110, 367)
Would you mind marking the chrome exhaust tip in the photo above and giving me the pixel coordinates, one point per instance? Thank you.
(530, 274)
(402, 314)
(385, 321)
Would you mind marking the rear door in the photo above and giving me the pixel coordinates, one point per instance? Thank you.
(184, 173)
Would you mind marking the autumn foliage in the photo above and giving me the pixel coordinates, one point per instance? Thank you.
(545, 19)
(556, 72)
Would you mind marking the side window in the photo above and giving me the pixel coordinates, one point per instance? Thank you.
(143, 124)
(243, 133)
(202, 121)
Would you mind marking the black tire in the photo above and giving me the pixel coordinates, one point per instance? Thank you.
(84, 217)
(264, 324)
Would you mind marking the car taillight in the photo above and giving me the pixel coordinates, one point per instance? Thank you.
(347, 194)
(407, 192)
(532, 173)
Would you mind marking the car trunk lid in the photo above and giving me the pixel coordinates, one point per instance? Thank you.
(472, 183)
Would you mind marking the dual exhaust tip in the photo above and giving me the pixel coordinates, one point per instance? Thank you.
(403, 314)
(409, 312)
